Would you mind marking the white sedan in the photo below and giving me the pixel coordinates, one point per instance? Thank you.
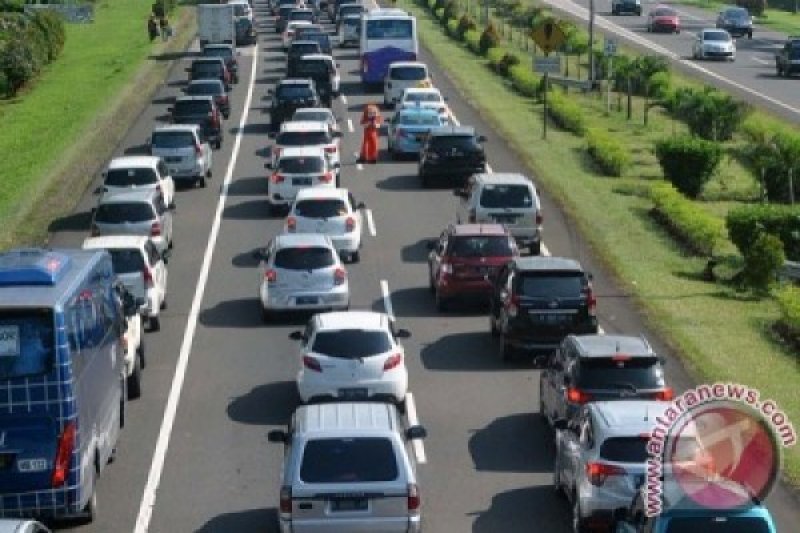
(353, 355)
(427, 97)
(288, 34)
(713, 43)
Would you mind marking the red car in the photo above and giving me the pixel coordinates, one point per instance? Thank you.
(465, 260)
(663, 19)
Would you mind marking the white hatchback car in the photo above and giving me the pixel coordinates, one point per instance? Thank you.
(183, 150)
(298, 168)
(714, 43)
(403, 75)
(307, 133)
(352, 355)
(428, 97)
(139, 172)
(317, 114)
(132, 340)
(302, 272)
(331, 212)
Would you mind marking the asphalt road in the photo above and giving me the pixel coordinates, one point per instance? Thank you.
(752, 76)
(488, 460)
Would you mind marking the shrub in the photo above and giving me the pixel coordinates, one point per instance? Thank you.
(432, 4)
(489, 39)
(747, 222)
(762, 261)
(565, 112)
(438, 13)
(450, 11)
(607, 152)
(465, 24)
(789, 303)
(51, 27)
(699, 230)
(755, 7)
(688, 162)
(501, 60)
(525, 82)
(473, 40)
(439, 4)
(709, 113)
(452, 28)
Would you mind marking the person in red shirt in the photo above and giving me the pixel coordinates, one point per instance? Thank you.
(371, 120)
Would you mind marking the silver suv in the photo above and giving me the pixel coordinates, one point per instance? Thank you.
(348, 467)
(141, 212)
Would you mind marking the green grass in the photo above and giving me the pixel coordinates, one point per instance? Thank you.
(43, 122)
(719, 333)
(775, 19)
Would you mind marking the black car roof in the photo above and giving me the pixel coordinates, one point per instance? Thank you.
(452, 130)
(295, 81)
(543, 264)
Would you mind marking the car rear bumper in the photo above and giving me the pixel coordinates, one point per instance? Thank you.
(312, 387)
(338, 298)
(51, 503)
(451, 170)
(665, 26)
(454, 287)
(353, 525)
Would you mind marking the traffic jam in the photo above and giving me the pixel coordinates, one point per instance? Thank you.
(74, 323)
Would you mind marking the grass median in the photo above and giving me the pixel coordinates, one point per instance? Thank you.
(57, 134)
(719, 333)
(774, 19)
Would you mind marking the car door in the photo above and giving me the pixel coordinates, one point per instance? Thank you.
(165, 215)
(495, 296)
(550, 383)
(568, 450)
(205, 152)
(355, 212)
(159, 269)
(584, 450)
(166, 181)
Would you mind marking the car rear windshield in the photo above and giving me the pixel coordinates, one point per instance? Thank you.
(419, 119)
(312, 116)
(408, 73)
(389, 29)
(321, 38)
(351, 343)
(128, 177)
(206, 88)
(302, 138)
(313, 67)
(284, 11)
(518, 196)
(211, 70)
(423, 97)
(218, 51)
(350, 9)
(480, 246)
(349, 460)
(717, 524)
(663, 12)
(624, 449)
(302, 49)
(551, 285)
(27, 342)
(632, 374)
(301, 15)
(352, 22)
(716, 36)
(739, 15)
(192, 107)
(450, 142)
(304, 258)
(127, 261)
(291, 92)
(300, 165)
(117, 213)
(321, 208)
(172, 139)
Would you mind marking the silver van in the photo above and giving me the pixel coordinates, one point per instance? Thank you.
(348, 467)
(141, 212)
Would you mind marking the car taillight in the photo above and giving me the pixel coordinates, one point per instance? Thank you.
(224, 98)
(473, 216)
(414, 498)
(277, 178)
(591, 301)
(350, 224)
(276, 150)
(665, 395)
(513, 305)
(197, 149)
(271, 276)
(577, 396)
(539, 219)
(291, 224)
(598, 472)
(286, 502)
(155, 229)
(214, 119)
(446, 268)
(311, 363)
(339, 276)
(147, 277)
(330, 149)
(95, 230)
(326, 178)
(66, 444)
(393, 362)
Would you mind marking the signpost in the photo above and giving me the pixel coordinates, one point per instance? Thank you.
(609, 49)
(548, 36)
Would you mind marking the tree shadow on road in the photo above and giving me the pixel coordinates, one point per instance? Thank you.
(516, 510)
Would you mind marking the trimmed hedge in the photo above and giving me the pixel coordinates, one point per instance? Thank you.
(746, 223)
(473, 40)
(525, 82)
(709, 113)
(688, 162)
(607, 152)
(788, 298)
(762, 262)
(465, 24)
(699, 230)
(565, 112)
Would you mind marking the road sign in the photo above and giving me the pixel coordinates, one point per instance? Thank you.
(548, 36)
(547, 64)
(609, 47)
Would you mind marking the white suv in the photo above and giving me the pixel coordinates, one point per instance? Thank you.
(308, 133)
(139, 172)
(403, 75)
(183, 150)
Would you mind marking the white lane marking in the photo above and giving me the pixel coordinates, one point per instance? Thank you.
(350, 127)
(453, 117)
(170, 410)
(413, 420)
(359, 166)
(371, 223)
(762, 61)
(387, 299)
(489, 168)
(545, 251)
(343, 99)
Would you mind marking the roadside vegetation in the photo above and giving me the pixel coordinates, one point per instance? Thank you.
(778, 15)
(658, 172)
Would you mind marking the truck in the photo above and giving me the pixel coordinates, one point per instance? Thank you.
(216, 24)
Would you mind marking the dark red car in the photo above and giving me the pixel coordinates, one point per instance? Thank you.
(663, 19)
(465, 259)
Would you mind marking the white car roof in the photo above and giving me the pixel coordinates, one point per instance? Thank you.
(326, 57)
(133, 161)
(629, 417)
(115, 241)
(346, 419)
(304, 125)
(353, 319)
(422, 90)
(293, 240)
(408, 64)
(314, 110)
(177, 127)
(317, 193)
(303, 151)
(296, 23)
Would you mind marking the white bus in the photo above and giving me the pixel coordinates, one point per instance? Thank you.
(387, 35)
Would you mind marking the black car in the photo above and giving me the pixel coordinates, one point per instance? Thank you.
(320, 70)
(245, 32)
(210, 68)
(333, 7)
(736, 21)
(348, 9)
(297, 50)
(199, 110)
(537, 301)
(589, 368)
(228, 54)
(213, 88)
(290, 95)
(451, 152)
(321, 38)
(276, 5)
(787, 60)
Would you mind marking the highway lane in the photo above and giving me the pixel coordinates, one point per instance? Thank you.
(752, 76)
(488, 457)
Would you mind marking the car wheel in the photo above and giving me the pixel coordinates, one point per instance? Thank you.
(155, 323)
(442, 303)
(426, 182)
(401, 406)
(135, 380)
(506, 350)
(140, 353)
(355, 257)
(218, 144)
(163, 304)
(535, 248)
(201, 182)
(493, 329)
(266, 315)
(578, 522)
(89, 512)
(557, 486)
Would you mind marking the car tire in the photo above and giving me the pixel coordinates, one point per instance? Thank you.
(578, 522)
(355, 257)
(135, 380)
(218, 144)
(266, 315)
(494, 331)
(425, 180)
(535, 248)
(155, 323)
(201, 182)
(506, 350)
(163, 304)
(442, 303)
(140, 353)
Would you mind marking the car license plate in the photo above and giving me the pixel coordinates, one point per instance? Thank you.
(301, 181)
(554, 319)
(505, 218)
(353, 394)
(349, 504)
(306, 300)
(173, 159)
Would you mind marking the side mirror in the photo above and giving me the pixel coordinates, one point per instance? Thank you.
(361, 205)
(268, 165)
(402, 334)
(560, 424)
(482, 138)
(590, 276)
(416, 432)
(278, 435)
(337, 165)
(431, 244)
(296, 335)
(260, 254)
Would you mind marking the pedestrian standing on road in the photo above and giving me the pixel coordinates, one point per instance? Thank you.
(163, 23)
(152, 28)
(371, 120)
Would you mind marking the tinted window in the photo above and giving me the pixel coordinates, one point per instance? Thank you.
(352, 23)
(312, 116)
(480, 246)
(713, 524)
(205, 89)
(408, 73)
(351, 343)
(794, 53)
(290, 92)
(127, 177)
(716, 36)
(418, 119)
(459, 142)
(226, 53)
(304, 48)
(127, 261)
(192, 107)
(625, 449)
(301, 15)
(664, 12)
(322, 208)
(389, 29)
(172, 139)
(302, 138)
(27, 341)
(284, 11)
(506, 196)
(422, 97)
(313, 67)
(551, 285)
(304, 258)
(350, 9)
(605, 373)
(739, 15)
(351, 460)
(300, 165)
(124, 212)
(211, 70)
(321, 38)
